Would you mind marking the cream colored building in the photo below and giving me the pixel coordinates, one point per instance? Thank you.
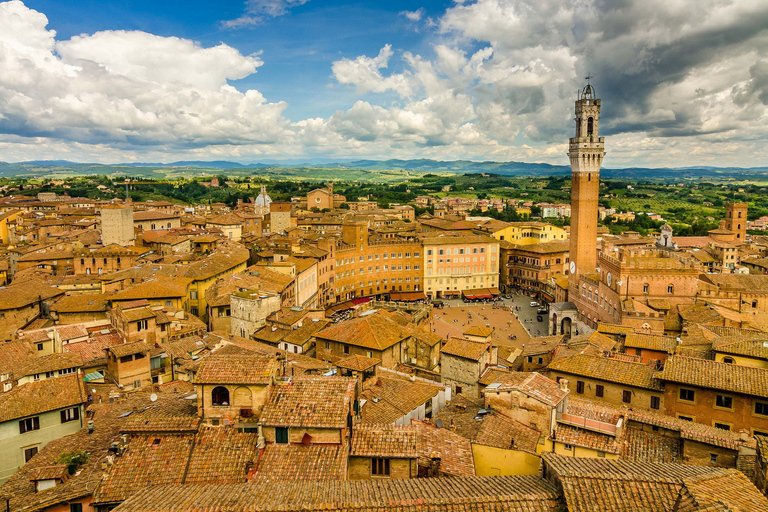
(455, 263)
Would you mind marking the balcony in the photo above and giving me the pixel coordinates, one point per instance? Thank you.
(587, 423)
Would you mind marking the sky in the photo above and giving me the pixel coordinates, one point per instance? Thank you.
(682, 82)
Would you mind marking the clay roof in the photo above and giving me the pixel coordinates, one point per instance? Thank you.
(41, 396)
(479, 330)
(376, 331)
(128, 349)
(236, 369)
(18, 295)
(389, 399)
(158, 287)
(587, 439)
(511, 493)
(656, 342)
(690, 429)
(151, 459)
(52, 472)
(611, 370)
(384, 440)
(221, 455)
(714, 375)
(49, 363)
(320, 402)
(601, 484)
(178, 415)
(455, 451)
(466, 349)
(81, 303)
(298, 462)
(534, 385)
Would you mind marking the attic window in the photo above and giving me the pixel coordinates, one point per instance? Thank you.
(156, 442)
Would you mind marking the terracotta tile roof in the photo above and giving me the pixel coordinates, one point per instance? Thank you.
(236, 369)
(221, 455)
(20, 488)
(41, 396)
(756, 347)
(466, 349)
(479, 330)
(503, 432)
(158, 287)
(542, 344)
(136, 314)
(611, 370)
(593, 485)
(691, 430)
(49, 363)
(730, 490)
(510, 493)
(376, 331)
(713, 375)
(178, 415)
(321, 402)
(493, 374)
(15, 354)
(304, 463)
(380, 440)
(150, 459)
(92, 350)
(455, 451)
(128, 349)
(52, 472)
(656, 342)
(296, 364)
(18, 295)
(389, 399)
(534, 385)
(81, 303)
(613, 328)
(587, 439)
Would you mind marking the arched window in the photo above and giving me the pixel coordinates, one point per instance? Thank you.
(728, 360)
(670, 288)
(590, 125)
(645, 288)
(220, 396)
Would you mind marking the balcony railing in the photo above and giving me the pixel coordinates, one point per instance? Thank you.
(589, 424)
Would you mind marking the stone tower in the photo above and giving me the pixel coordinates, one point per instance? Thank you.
(117, 225)
(586, 151)
(736, 219)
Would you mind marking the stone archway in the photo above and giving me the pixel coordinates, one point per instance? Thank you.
(554, 323)
(565, 326)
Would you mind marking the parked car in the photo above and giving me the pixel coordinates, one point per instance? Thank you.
(542, 311)
(535, 304)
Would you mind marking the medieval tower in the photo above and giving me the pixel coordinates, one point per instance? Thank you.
(586, 151)
(736, 219)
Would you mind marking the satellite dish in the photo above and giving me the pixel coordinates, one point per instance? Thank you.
(439, 423)
(153, 397)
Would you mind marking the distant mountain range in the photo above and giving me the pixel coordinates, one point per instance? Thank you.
(36, 167)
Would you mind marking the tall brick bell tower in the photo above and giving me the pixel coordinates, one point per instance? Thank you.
(586, 151)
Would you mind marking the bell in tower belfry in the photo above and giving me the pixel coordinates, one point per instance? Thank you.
(586, 151)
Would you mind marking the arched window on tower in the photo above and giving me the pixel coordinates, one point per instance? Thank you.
(590, 126)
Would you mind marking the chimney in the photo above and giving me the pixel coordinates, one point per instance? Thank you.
(564, 384)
